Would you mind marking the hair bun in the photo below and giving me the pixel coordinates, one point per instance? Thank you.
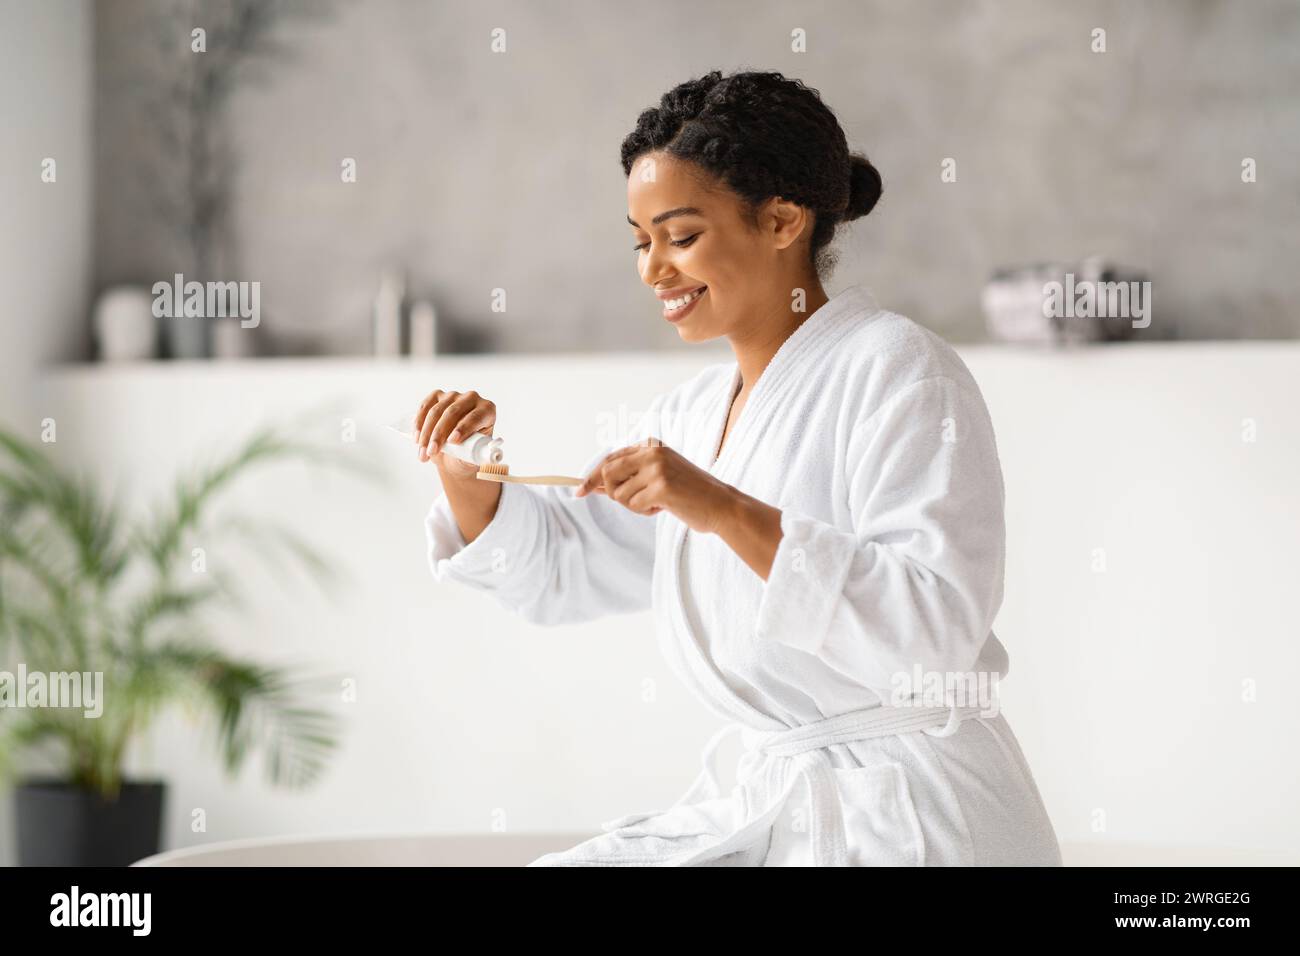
(864, 188)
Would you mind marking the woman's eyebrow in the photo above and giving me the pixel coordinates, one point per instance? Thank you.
(679, 211)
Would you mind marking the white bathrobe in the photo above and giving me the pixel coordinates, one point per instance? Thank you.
(871, 436)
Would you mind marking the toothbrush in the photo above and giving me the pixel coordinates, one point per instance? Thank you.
(498, 472)
(486, 452)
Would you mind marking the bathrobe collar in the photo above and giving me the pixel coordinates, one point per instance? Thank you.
(792, 367)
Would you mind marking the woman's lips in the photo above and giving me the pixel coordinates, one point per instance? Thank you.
(676, 315)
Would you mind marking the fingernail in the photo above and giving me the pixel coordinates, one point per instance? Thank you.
(454, 436)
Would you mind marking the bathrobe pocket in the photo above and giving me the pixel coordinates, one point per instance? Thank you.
(880, 820)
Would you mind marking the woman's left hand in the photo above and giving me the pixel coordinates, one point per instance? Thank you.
(648, 479)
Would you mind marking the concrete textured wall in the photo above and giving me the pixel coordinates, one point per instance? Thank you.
(480, 170)
(45, 227)
(45, 249)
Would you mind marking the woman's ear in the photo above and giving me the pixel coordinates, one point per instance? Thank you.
(784, 221)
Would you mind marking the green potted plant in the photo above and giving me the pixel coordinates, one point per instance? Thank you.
(101, 613)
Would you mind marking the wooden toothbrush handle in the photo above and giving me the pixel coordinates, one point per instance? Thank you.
(547, 480)
(650, 442)
(532, 479)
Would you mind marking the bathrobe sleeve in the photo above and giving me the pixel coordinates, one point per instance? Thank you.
(549, 556)
(919, 579)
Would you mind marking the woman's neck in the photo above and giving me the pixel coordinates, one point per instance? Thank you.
(755, 344)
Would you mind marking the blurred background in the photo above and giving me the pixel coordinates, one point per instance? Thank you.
(429, 195)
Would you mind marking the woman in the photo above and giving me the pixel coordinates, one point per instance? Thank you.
(816, 525)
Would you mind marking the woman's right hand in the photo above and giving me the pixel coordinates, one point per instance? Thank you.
(451, 416)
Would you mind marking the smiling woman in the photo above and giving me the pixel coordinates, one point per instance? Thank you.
(811, 524)
(737, 180)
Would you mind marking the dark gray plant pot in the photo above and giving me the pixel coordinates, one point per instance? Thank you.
(187, 337)
(63, 825)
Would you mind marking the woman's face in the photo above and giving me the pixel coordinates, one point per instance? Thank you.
(690, 237)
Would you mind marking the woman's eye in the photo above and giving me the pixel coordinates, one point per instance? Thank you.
(679, 243)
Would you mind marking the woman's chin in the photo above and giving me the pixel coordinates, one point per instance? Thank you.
(690, 333)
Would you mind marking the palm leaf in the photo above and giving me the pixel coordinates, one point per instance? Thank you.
(193, 495)
(66, 564)
(91, 525)
(165, 601)
(258, 706)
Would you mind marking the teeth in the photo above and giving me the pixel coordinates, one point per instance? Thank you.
(672, 305)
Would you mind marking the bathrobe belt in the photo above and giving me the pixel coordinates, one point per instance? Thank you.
(805, 747)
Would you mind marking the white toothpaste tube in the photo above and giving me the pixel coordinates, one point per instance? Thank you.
(477, 449)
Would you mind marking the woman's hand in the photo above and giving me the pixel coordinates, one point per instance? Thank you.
(648, 479)
(651, 478)
(454, 416)
(451, 416)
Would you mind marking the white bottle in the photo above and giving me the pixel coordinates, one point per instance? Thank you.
(424, 330)
(386, 317)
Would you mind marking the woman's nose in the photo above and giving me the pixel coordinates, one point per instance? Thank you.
(652, 267)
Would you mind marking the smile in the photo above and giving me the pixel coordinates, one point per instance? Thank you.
(675, 309)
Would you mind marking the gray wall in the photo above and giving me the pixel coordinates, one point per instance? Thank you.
(45, 228)
(480, 171)
(45, 99)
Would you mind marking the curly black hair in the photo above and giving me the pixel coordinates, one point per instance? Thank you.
(763, 135)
